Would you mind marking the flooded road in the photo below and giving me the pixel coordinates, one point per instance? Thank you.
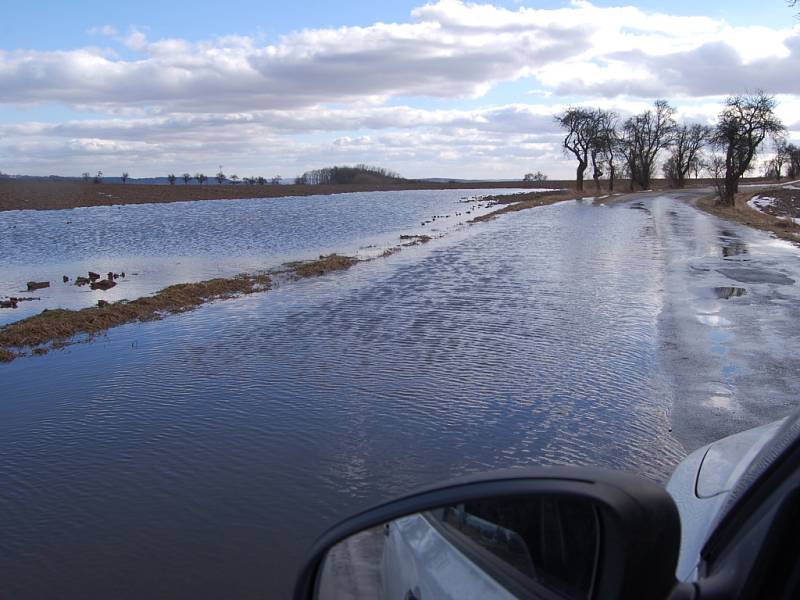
(199, 456)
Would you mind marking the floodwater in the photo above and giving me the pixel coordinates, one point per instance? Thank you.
(199, 456)
(156, 245)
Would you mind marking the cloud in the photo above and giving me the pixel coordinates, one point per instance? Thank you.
(353, 93)
(105, 30)
(715, 68)
(451, 49)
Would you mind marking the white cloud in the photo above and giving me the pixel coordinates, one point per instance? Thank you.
(451, 49)
(179, 102)
(106, 30)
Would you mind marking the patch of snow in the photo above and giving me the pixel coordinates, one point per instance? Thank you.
(760, 202)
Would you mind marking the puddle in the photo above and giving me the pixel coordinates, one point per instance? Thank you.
(732, 244)
(729, 292)
(745, 275)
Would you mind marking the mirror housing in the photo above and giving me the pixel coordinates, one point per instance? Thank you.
(639, 522)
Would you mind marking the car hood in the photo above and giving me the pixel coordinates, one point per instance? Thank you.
(702, 483)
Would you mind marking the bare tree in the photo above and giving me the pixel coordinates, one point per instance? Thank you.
(234, 179)
(641, 139)
(687, 145)
(124, 177)
(360, 173)
(793, 160)
(579, 124)
(86, 176)
(200, 178)
(716, 168)
(783, 155)
(276, 180)
(743, 125)
(536, 177)
(602, 147)
(220, 177)
(607, 142)
(186, 178)
(171, 178)
(99, 177)
(261, 180)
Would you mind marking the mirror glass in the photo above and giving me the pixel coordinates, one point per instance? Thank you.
(505, 547)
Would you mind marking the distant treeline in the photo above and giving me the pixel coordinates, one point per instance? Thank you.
(359, 174)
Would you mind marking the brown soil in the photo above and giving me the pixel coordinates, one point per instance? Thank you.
(20, 194)
(321, 266)
(62, 325)
(741, 213)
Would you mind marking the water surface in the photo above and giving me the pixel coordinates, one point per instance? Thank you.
(156, 245)
(199, 456)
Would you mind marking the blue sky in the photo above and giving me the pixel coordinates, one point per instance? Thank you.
(449, 88)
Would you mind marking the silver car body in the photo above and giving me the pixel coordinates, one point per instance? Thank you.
(701, 486)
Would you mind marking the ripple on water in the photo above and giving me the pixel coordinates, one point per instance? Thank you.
(161, 244)
(210, 448)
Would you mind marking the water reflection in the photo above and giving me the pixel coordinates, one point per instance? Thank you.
(163, 244)
(725, 292)
(732, 245)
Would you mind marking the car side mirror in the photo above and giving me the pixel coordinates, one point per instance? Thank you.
(521, 533)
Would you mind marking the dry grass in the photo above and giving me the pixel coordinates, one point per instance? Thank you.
(414, 240)
(525, 200)
(62, 325)
(741, 213)
(321, 266)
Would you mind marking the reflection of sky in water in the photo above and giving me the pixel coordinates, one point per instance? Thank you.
(212, 447)
(160, 244)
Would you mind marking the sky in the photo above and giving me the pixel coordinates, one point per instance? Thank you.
(440, 89)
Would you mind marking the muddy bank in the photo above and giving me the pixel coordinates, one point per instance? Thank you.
(58, 195)
(52, 329)
(525, 200)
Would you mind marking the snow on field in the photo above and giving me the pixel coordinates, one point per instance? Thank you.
(760, 202)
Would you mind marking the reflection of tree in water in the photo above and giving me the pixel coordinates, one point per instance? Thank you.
(729, 292)
(732, 245)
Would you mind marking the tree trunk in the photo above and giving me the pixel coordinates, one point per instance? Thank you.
(610, 177)
(579, 176)
(730, 189)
